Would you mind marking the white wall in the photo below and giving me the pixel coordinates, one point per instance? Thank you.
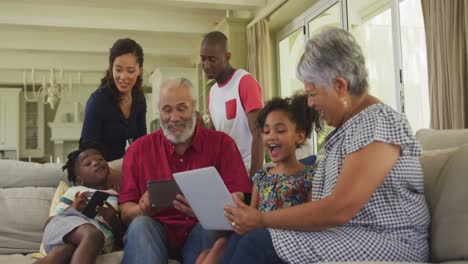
(77, 36)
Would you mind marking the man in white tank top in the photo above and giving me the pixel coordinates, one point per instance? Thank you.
(234, 100)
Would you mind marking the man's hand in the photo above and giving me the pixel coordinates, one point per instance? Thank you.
(181, 204)
(81, 199)
(145, 206)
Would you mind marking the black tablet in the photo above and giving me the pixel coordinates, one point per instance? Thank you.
(162, 193)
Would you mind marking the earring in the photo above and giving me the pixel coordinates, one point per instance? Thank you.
(345, 102)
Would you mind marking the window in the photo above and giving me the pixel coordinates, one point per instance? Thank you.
(415, 79)
(329, 17)
(291, 49)
(370, 22)
(394, 50)
(32, 127)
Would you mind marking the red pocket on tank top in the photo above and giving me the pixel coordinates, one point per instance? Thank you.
(231, 109)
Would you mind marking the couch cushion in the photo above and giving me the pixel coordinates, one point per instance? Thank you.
(440, 139)
(116, 165)
(15, 259)
(449, 228)
(110, 258)
(113, 257)
(24, 212)
(15, 174)
(432, 162)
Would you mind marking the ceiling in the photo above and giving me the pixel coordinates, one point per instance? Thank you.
(77, 34)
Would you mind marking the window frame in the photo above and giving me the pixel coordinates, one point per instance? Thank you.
(318, 8)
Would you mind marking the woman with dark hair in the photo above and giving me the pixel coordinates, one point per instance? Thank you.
(116, 112)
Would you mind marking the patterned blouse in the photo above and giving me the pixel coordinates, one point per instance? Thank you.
(393, 225)
(280, 190)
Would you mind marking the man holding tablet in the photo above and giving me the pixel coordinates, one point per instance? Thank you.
(179, 145)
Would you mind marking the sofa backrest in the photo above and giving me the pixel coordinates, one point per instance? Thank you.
(432, 139)
(445, 177)
(14, 174)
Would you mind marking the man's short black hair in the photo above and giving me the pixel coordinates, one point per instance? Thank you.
(216, 37)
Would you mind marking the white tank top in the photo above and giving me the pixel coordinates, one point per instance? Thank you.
(228, 115)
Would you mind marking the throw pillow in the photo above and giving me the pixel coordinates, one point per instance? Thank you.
(61, 189)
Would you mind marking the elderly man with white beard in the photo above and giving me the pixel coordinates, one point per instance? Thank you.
(154, 235)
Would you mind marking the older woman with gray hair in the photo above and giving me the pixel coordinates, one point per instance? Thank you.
(367, 194)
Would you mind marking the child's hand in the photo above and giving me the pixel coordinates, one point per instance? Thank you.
(108, 213)
(81, 199)
(112, 218)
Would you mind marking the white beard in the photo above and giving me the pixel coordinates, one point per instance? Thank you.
(184, 135)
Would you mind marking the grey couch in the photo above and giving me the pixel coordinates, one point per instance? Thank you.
(26, 191)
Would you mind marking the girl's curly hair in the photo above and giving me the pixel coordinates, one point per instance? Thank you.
(304, 117)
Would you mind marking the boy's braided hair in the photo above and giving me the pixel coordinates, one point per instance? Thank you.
(72, 158)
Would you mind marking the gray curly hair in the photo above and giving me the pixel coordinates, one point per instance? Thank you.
(334, 53)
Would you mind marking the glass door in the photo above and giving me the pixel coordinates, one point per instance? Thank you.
(331, 17)
(414, 59)
(291, 49)
(370, 22)
(328, 18)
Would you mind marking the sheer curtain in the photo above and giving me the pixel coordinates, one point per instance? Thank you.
(446, 26)
(258, 55)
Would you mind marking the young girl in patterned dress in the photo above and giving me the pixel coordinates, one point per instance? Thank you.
(285, 125)
(70, 236)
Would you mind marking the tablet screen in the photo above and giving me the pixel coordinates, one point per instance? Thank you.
(162, 193)
(207, 194)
